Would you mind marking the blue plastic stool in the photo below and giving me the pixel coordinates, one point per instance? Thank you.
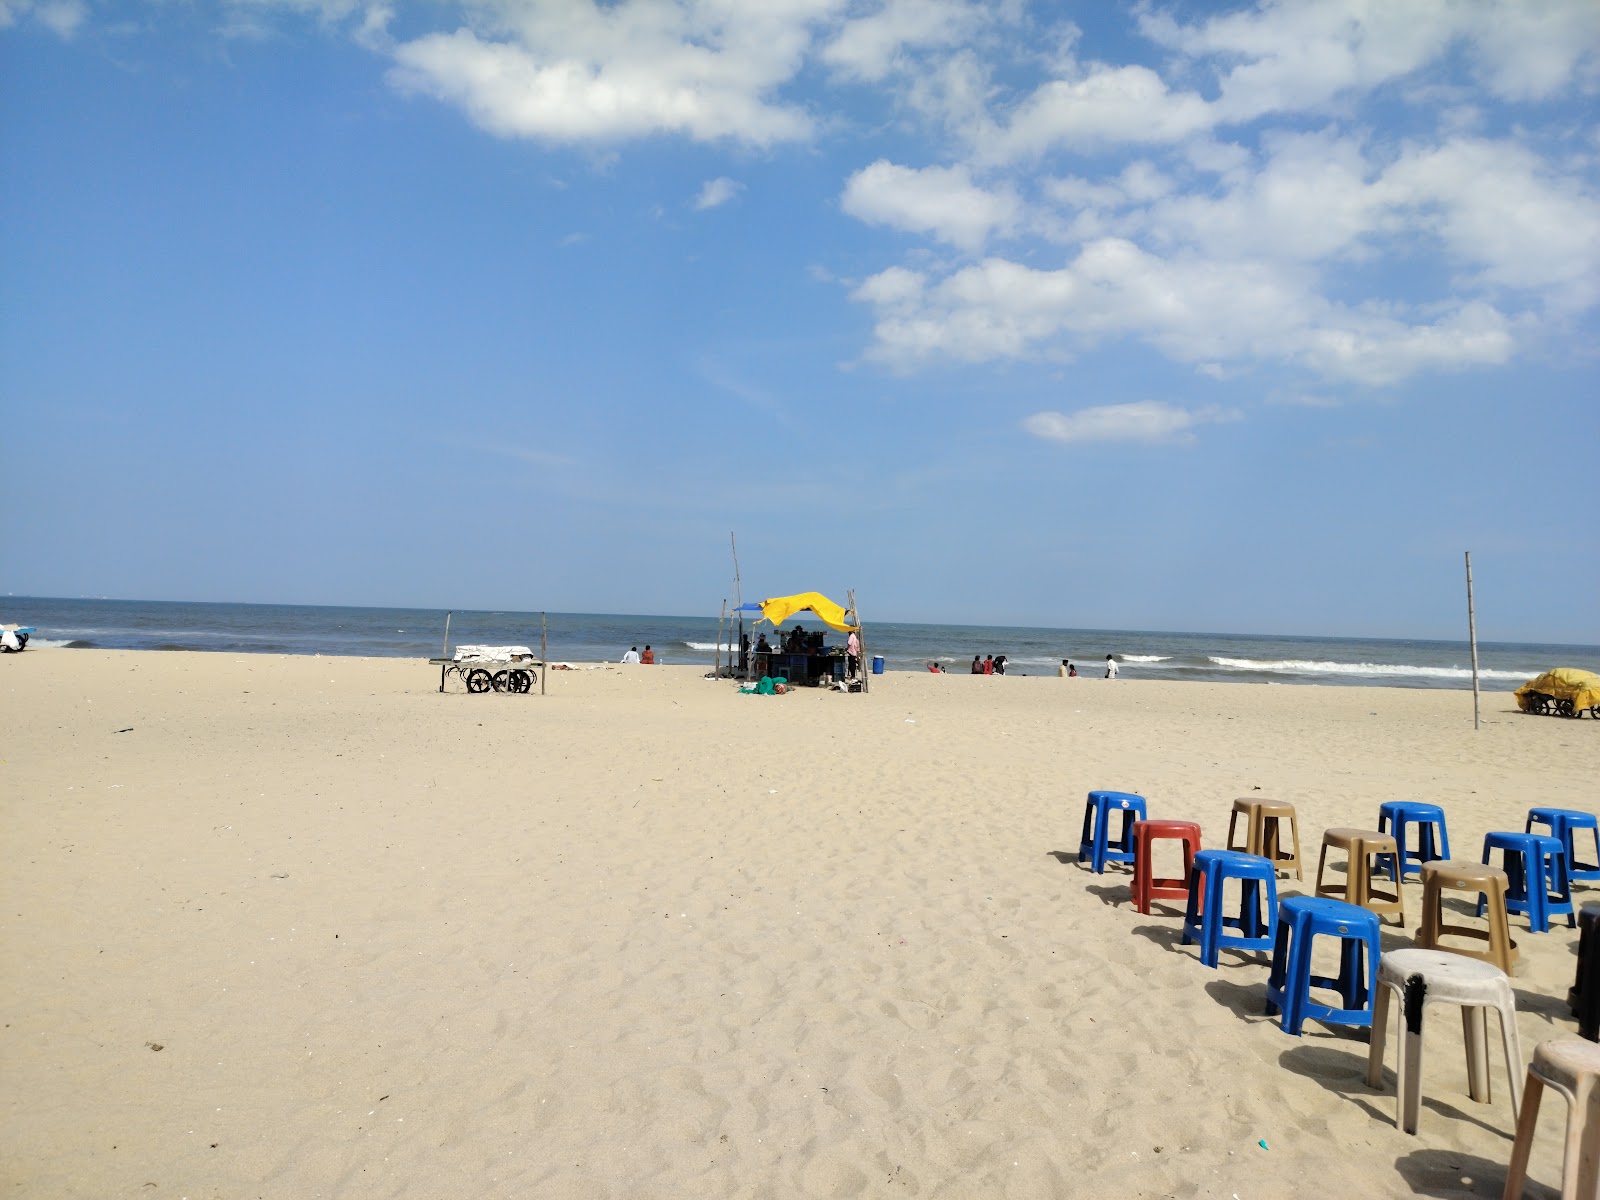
(1563, 824)
(1096, 845)
(1433, 839)
(1300, 919)
(1204, 919)
(1536, 877)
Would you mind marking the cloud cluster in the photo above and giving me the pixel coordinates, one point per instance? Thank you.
(1348, 191)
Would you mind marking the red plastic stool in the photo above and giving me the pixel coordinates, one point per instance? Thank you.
(1147, 888)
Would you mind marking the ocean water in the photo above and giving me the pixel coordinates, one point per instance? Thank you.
(595, 637)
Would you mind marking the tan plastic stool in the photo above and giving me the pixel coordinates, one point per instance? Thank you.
(1423, 977)
(1362, 884)
(1475, 879)
(1572, 1067)
(1263, 818)
(1246, 808)
(1269, 819)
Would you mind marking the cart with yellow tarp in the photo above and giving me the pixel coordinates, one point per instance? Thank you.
(802, 656)
(1563, 692)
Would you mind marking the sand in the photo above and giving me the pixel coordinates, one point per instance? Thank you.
(304, 927)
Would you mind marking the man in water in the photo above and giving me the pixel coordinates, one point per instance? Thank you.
(632, 656)
(1111, 667)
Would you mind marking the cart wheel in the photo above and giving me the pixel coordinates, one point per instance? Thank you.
(478, 681)
(1565, 708)
(499, 681)
(520, 681)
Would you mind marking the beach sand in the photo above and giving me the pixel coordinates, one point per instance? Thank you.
(304, 927)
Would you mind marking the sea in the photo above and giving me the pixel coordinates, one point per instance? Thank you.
(157, 625)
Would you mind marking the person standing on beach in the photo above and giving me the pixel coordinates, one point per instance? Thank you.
(1111, 667)
(1064, 670)
(648, 658)
(977, 665)
(632, 656)
(852, 649)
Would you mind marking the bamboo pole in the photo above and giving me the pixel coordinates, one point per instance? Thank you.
(445, 653)
(1472, 636)
(544, 654)
(721, 618)
(863, 664)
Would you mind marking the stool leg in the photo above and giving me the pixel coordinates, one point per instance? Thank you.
(1294, 832)
(1278, 973)
(1585, 1114)
(1475, 1029)
(1507, 1009)
(1412, 1055)
(1375, 1042)
(1527, 1121)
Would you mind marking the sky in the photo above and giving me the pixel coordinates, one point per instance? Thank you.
(1202, 317)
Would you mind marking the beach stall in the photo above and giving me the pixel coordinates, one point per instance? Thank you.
(802, 656)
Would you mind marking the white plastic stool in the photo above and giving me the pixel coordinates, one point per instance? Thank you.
(1572, 1067)
(1423, 977)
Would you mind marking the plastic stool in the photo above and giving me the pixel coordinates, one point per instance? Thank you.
(1263, 824)
(1536, 867)
(1365, 852)
(1423, 977)
(1145, 886)
(1433, 839)
(1564, 824)
(1203, 918)
(1300, 919)
(1096, 845)
(1439, 877)
(1583, 998)
(1572, 1067)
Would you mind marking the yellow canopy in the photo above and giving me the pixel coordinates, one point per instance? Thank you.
(1582, 688)
(780, 608)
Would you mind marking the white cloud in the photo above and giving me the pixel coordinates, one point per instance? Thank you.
(579, 71)
(870, 47)
(717, 192)
(1193, 310)
(1140, 421)
(942, 201)
(1109, 106)
(1298, 55)
(61, 17)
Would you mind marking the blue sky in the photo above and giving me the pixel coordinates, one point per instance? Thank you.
(1200, 317)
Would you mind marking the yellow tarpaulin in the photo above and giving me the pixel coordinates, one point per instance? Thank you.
(1581, 688)
(780, 608)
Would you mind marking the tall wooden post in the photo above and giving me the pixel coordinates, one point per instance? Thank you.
(544, 656)
(1472, 636)
(721, 618)
(862, 663)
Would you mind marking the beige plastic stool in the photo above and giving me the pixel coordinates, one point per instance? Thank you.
(1423, 977)
(1245, 807)
(1364, 884)
(1263, 819)
(1572, 1067)
(1473, 878)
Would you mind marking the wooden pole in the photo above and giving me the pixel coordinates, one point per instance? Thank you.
(721, 618)
(544, 654)
(862, 663)
(1472, 636)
